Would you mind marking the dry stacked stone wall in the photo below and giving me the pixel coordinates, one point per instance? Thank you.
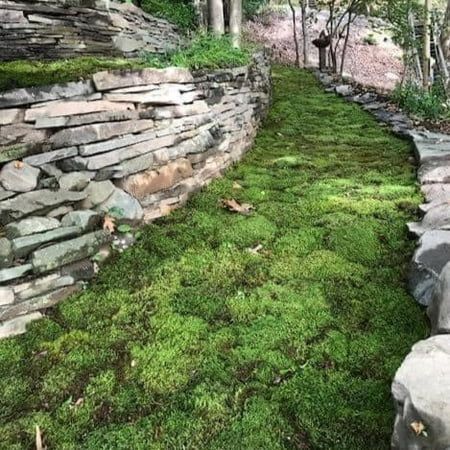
(133, 144)
(67, 28)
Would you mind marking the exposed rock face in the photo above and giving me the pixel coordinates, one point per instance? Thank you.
(82, 28)
(429, 259)
(439, 309)
(128, 144)
(421, 390)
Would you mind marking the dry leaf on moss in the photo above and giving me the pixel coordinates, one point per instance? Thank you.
(235, 206)
(109, 224)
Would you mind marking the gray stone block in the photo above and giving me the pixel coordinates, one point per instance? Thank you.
(13, 273)
(22, 246)
(29, 226)
(75, 181)
(28, 96)
(86, 220)
(6, 253)
(58, 255)
(18, 325)
(421, 391)
(40, 286)
(429, 259)
(19, 177)
(35, 202)
(39, 303)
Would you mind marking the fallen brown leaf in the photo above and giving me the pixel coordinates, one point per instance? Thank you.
(235, 206)
(18, 164)
(418, 427)
(109, 224)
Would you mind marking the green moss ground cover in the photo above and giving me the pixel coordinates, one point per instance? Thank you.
(204, 52)
(190, 341)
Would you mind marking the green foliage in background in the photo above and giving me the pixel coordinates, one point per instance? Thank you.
(179, 12)
(422, 103)
(204, 52)
(189, 340)
(251, 8)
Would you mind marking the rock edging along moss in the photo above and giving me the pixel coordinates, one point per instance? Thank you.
(421, 385)
(67, 29)
(128, 145)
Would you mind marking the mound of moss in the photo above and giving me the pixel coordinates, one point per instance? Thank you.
(204, 52)
(191, 340)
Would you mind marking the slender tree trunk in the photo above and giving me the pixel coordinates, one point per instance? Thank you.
(216, 17)
(344, 48)
(236, 22)
(445, 33)
(202, 15)
(294, 25)
(426, 44)
(304, 5)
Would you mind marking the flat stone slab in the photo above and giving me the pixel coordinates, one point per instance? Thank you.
(22, 246)
(27, 96)
(98, 132)
(57, 255)
(48, 157)
(39, 303)
(30, 225)
(429, 259)
(35, 202)
(108, 80)
(40, 286)
(17, 325)
(13, 273)
(421, 390)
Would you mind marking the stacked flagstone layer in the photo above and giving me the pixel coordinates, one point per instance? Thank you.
(133, 144)
(67, 28)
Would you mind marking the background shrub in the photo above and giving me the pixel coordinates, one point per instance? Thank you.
(179, 12)
(421, 103)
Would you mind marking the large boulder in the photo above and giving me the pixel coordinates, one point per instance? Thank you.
(421, 391)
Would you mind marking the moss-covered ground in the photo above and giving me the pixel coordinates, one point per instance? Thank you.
(190, 341)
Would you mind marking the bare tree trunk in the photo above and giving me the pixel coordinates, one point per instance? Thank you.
(445, 33)
(304, 5)
(294, 24)
(216, 17)
(202, 13)
(426, 44)
(344, 48)
(236, 22)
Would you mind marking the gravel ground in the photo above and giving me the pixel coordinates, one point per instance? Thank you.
(377, 66)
